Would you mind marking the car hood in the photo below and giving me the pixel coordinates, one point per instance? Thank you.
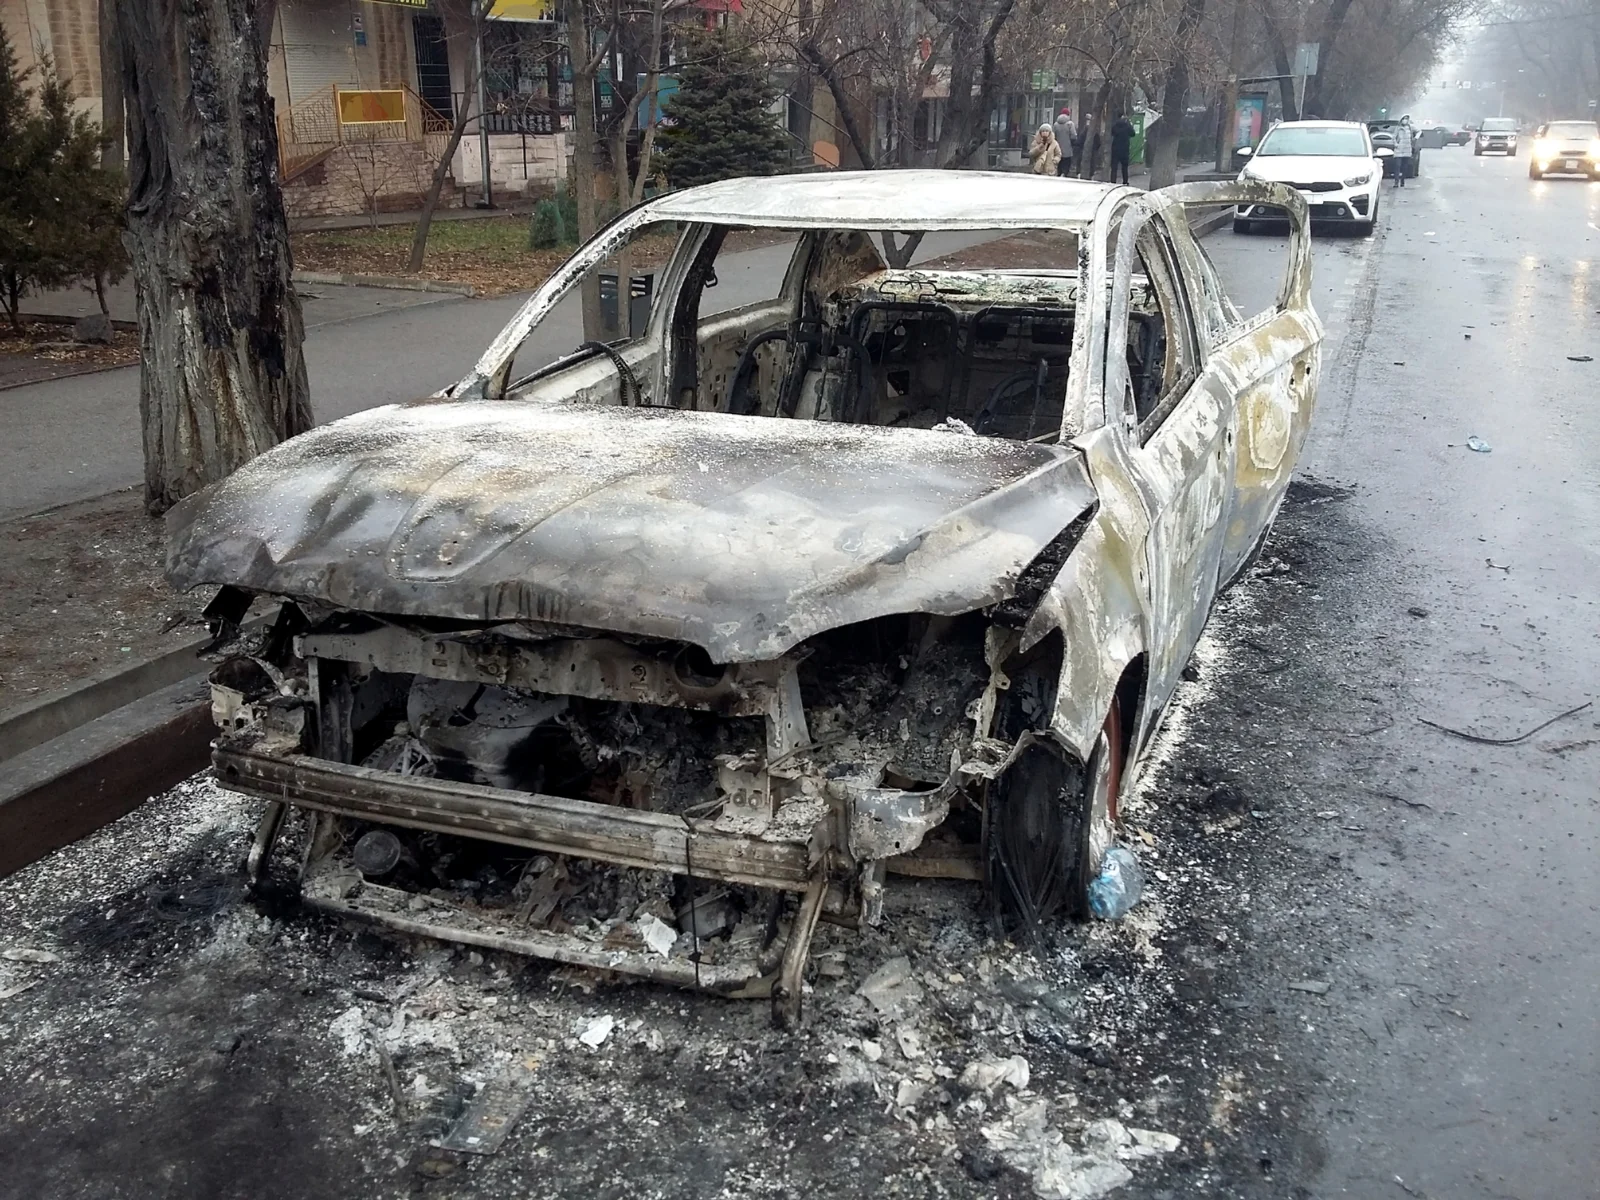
(744, 535)
(1307, 168)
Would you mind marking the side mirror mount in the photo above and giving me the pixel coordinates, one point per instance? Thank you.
(1383, 152)
(1244, 151)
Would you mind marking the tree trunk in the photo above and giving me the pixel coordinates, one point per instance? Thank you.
(1332, 24)
(110, 88)
(430, 204)
(1163, 152)
(585, 141)
(898, 254)
(220, 330)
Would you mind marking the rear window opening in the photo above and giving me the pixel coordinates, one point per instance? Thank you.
(973, 333)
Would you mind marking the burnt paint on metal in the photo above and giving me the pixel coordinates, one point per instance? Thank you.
(743, 535)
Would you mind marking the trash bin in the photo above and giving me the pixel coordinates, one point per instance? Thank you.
(641, 291)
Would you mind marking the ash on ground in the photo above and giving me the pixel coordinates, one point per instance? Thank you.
(178, 1039)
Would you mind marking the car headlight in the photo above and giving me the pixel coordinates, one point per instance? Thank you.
(1544, 147)
(1358, 180)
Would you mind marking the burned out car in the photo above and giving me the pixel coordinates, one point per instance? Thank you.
(653, 656)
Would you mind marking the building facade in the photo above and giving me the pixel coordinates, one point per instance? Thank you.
(366, 93)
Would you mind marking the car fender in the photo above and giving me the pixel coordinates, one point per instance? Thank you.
(1095, 604)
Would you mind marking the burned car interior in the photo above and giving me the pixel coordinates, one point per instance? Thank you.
(656, 656)
(851, 340)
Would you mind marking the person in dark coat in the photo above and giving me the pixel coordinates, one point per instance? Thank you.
(1121, 147)
(1065, 136)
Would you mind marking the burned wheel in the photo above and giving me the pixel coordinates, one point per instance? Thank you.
(1050, 823)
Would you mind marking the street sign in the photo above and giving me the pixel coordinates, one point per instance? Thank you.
(1305, 58)
(522, 10)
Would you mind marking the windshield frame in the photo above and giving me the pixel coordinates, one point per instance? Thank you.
(1354, 132)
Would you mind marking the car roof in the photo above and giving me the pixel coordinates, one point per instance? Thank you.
(1318, 125)
(889, 200)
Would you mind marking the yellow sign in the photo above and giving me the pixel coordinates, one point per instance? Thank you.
(371, 108)
(523, 10)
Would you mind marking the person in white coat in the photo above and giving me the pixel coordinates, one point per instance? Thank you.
(1402, 153)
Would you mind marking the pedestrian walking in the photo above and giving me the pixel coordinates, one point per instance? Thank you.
(1064, 137)
(1121, 147)
(1402, 153)
(1044, 152)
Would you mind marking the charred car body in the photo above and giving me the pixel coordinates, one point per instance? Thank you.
(891, 573)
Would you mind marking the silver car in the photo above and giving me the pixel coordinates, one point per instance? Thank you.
(649, 658)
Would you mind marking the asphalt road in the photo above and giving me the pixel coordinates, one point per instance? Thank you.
(1367, 966)
(1479, 293)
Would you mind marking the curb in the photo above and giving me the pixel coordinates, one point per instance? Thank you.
(397, 282)
(64, 319)
(31, 725)
(69, 787)
(1210, 224)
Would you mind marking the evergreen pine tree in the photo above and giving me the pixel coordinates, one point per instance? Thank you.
(721, 126)
(60, 213)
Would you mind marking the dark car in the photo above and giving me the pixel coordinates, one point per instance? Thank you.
(1460, 137)
(1434, 137)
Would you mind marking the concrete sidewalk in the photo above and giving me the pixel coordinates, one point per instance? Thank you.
(322, 304)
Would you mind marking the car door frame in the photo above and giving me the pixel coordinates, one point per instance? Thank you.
(1271, 361)
(1120, 461)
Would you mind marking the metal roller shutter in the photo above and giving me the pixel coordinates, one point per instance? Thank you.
(317, 47)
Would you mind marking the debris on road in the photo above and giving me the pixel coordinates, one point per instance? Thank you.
(24, 954)
(987, 1074)
(1026, 1140)
(1477, 443)
(1416, 610)
(1510, 741)
(1580, 358)
(597, 1031)
(8, 993)
(1118, 886)
(488, 1121)
(891, 989)
(1314, 987)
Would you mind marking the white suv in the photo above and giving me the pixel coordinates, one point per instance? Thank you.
(1331, 163)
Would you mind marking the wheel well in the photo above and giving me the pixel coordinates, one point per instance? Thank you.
(1128, 698)
(1035, 681)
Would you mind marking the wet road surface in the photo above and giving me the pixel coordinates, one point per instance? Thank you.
(1466, 1044)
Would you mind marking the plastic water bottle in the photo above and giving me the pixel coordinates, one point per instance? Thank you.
(1118, 886)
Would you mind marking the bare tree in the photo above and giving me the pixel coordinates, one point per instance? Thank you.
(1164, 137)
(219, 322)
(110, 86)
(464, 20)
(375, 168)
(895, 49)
(630, 185)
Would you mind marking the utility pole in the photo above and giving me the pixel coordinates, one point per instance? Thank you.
(1228, 119)
(480, 17)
